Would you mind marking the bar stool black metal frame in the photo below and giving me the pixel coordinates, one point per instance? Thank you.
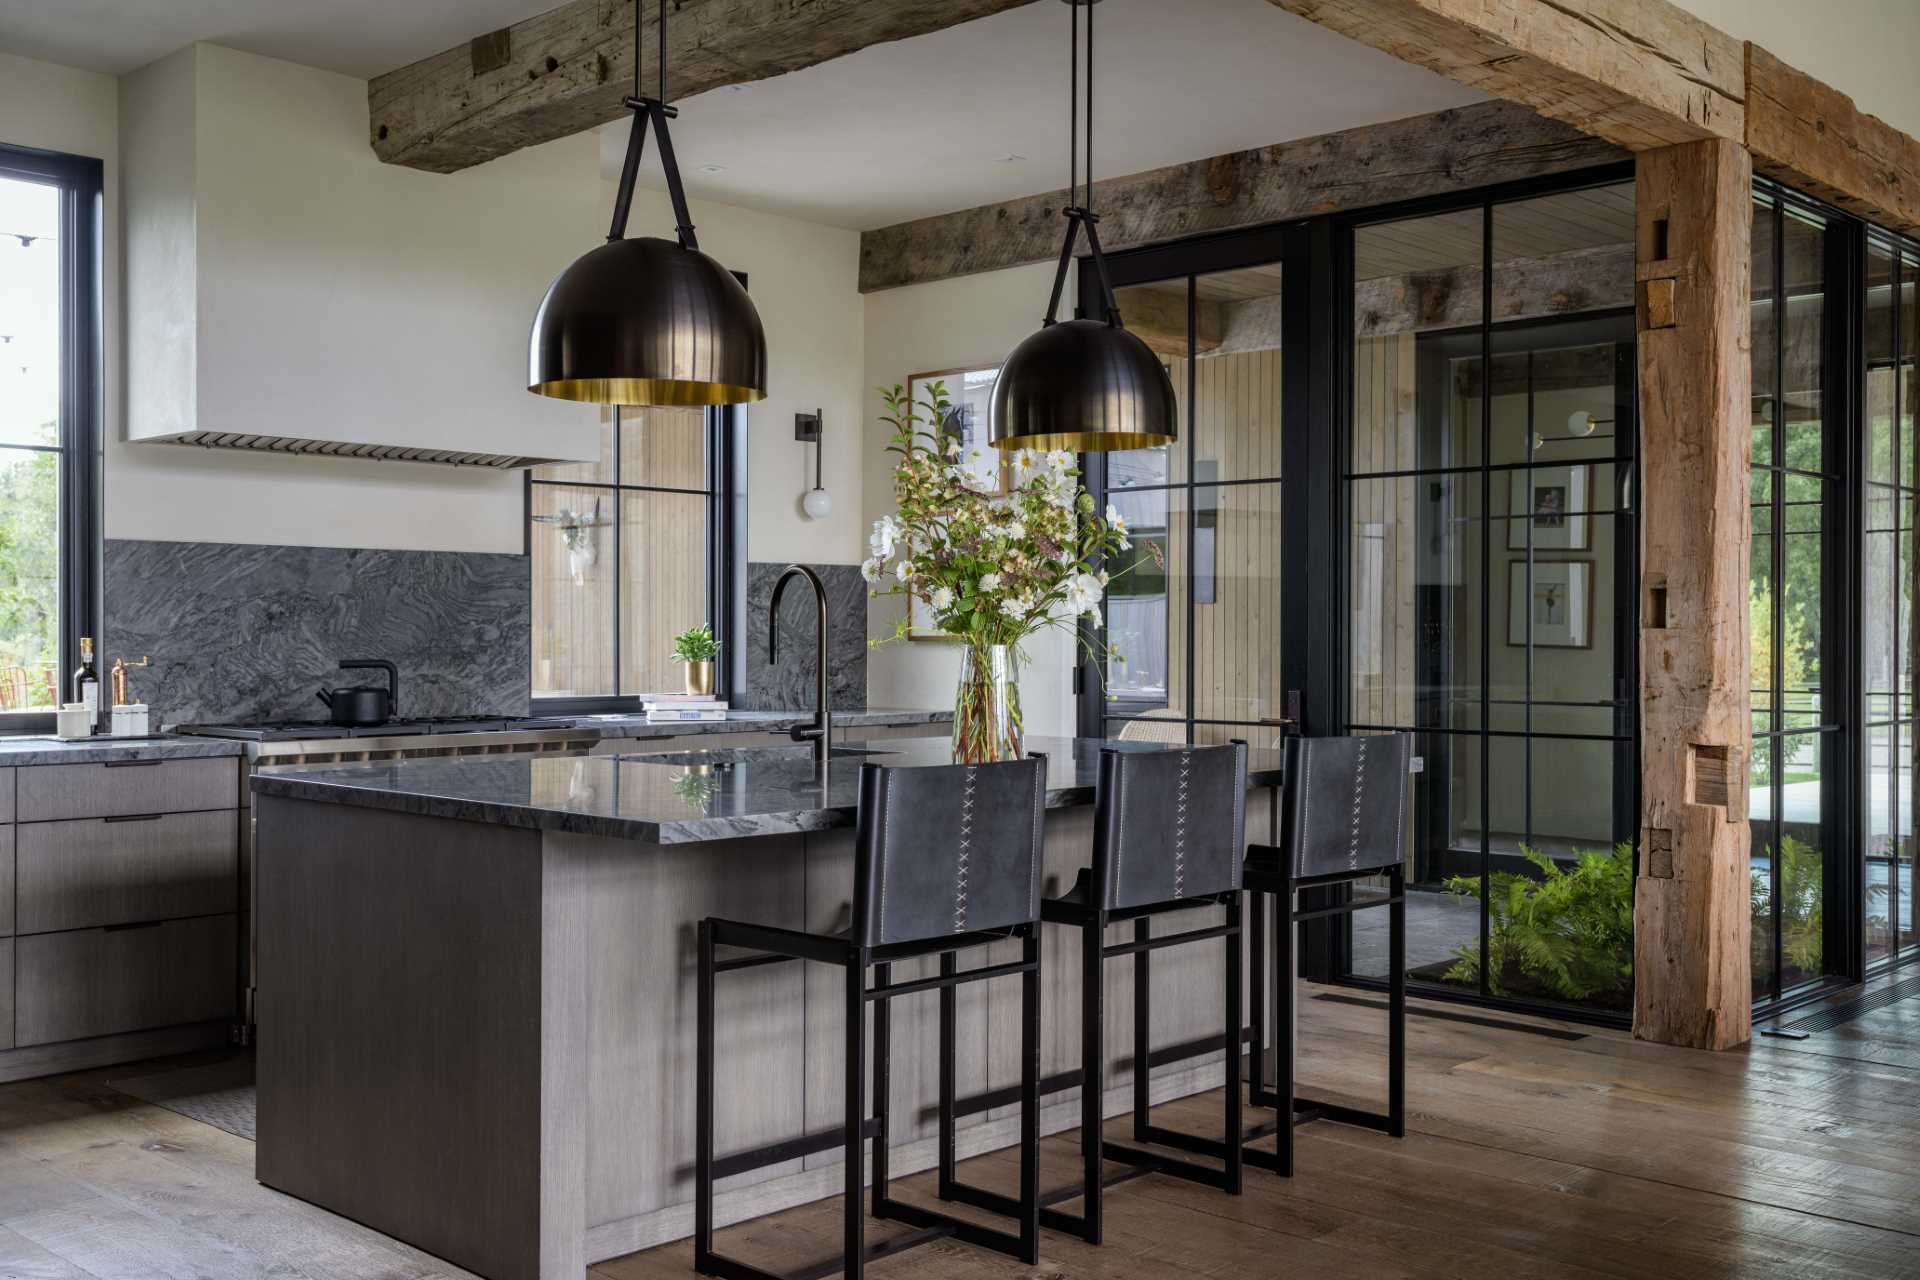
(1090, 907)
(866, 946)
(1353, 840)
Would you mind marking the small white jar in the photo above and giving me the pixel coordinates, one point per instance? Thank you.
(130, 720)
(73, 721)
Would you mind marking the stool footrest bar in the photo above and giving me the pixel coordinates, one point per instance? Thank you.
(792, 1149)
(959, 1228)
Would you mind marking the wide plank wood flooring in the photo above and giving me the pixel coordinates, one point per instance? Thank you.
(1527, 1156)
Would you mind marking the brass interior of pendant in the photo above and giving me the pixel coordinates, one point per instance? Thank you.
(1085, 441)
(665, 392)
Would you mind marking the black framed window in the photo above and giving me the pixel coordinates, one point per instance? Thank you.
(1196, 616)
(1802, 875)
(633, 548)
(1888, 565)
(1492, 562)
(50, 406)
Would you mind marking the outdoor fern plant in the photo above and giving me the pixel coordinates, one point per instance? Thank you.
(1570, 931)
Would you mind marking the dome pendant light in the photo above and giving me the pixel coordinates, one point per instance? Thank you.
(1086, 386)
(648, 321)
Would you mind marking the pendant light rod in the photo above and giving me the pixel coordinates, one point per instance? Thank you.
(656, 112)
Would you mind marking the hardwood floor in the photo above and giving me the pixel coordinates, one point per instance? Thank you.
(1528, 1156)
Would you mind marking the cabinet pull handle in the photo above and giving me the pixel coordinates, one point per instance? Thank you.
(123, 928)
(134, 817)
(130, 764)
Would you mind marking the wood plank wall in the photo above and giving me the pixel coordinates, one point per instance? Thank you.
(1383, 549)
(1235, 423)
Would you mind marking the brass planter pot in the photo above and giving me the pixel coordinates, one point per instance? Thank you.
(700, 679)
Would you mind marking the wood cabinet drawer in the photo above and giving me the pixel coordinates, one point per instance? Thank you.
(97, 982)
(97, 871)
(6, 881)
(48, 792)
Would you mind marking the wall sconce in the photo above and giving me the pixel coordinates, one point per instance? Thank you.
(1581, 423)
(818, 504)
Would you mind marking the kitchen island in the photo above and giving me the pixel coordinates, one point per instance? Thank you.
(476, 991)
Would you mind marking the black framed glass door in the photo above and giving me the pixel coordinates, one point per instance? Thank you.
(1193, 610)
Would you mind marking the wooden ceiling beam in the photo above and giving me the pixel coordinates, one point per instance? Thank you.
(1639, 73)
(570, 69)
(1447, 151)
(1809, 135)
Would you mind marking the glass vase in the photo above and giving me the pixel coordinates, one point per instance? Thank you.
(986, 706)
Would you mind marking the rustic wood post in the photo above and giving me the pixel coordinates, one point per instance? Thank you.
(1692, 948)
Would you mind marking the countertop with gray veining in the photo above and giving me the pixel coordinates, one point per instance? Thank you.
(27, 750)
(676, 798)
(636, 726)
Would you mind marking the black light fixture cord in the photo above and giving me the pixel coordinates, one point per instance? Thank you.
(655, 112)
(1079, 211)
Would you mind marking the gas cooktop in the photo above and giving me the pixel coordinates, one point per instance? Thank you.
(303, 730)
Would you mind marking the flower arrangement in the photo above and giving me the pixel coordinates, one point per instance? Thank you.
(993, 567)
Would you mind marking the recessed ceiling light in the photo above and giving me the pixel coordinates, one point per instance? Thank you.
(713, 168)
(1011, 158)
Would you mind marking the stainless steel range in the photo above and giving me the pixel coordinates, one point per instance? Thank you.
(321, 744)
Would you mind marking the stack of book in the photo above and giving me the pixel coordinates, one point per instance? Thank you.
(674, 708)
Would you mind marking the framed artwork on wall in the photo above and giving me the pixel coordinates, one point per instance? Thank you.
(970, 396)
(1550, 504)
(1557, 601)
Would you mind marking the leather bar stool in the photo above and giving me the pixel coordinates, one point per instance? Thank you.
(1344, 820)
(947, 859)
(1169, 832)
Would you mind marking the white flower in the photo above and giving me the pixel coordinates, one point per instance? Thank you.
(872, 569)
(989, 582)
(1023, 460)
(1018, 606)
(1014, 531)
(1060, 461)
(885, 530)
(1116, 521)
(1083, 592)
(953, 448)
(905, 570)
(941, 599)
(1104, 578)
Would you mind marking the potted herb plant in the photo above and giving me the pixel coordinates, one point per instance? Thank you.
(696, 648)
(994, 567)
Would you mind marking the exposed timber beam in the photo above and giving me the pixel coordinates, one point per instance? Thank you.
(570, 69)
(1641, 73)
(1647, 74)
(1811, 136)
(1448, 151)
(1692, 910)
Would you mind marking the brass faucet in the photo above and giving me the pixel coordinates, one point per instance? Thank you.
(121, 696)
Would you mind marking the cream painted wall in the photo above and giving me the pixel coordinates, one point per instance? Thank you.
(299, 286)
(1864, 47)
(974, 320)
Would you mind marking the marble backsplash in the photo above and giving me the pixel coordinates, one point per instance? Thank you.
(789, 686)
(240, 632)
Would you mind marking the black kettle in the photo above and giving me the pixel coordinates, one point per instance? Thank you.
(361, 705)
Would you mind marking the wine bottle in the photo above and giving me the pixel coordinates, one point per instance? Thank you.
(86, 683)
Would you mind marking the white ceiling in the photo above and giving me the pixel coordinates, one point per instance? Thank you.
(356, 37)
(977, 113)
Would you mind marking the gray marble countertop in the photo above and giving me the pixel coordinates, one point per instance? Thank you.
(26, 750)
(678, 798)
(636, 726)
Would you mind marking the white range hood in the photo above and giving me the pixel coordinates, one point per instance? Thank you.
(287, 293)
